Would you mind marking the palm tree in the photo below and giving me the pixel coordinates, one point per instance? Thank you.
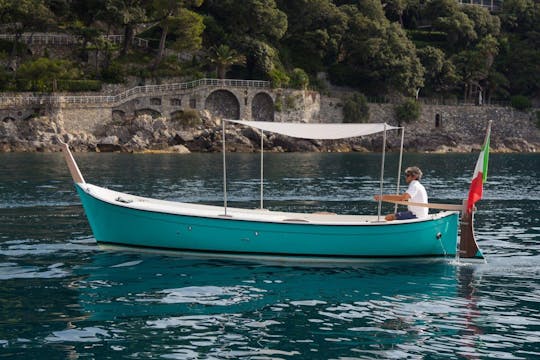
(223, 57)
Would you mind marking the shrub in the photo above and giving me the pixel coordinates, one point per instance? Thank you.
(356, 109)
(279, 78)
(299, 79)
(78, 85)
(188, 117)
(278, 104)
(114, 73)
(39, 74)
(408, 111)
(520, 102)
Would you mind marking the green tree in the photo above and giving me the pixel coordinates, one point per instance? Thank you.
(257, 19)
(459, 30)
(177, 17)
(380, 54)
(261, 58)
(520, 54)
(484, 22)
(252, 26)
(314, 34)
(475, 66)
(394, 10)
(520, 15)
(440, 74)
(88, 11)
(129, 14)
(42, 72)
(223, 57)
(29, 15)
(408, 111)
(435, 9)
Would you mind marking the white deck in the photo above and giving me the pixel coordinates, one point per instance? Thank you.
(209, 211)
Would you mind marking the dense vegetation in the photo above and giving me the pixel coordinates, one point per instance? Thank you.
(390, 47)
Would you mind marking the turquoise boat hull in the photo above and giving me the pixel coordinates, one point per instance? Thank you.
(117, 221)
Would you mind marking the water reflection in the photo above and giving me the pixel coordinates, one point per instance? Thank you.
(200, 305)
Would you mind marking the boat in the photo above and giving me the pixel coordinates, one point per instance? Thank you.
(124, 220)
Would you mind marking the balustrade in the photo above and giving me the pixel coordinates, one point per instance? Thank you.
(146, 89)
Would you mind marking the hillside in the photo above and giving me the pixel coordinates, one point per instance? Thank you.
(437, 48)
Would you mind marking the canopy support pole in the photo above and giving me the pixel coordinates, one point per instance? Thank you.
(262, 167)
(224, 169)
(399, 166)
(382, 174)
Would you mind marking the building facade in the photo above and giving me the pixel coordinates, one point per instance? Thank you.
(492, 5)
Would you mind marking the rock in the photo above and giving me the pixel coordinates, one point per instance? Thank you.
(293, 145)
(123, 133)
(359, 148)
(136, 144)
(184, 136)
(159, 124)
(252, 134)
(8, 130)
(109, 140)
(518, 144)
(143, 123)
(180, 149)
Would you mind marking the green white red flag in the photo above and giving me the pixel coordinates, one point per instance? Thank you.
(480, 173)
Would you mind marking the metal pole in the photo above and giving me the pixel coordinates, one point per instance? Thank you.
(224, 168)
(262, 168)
(399, 166)
(382, 174)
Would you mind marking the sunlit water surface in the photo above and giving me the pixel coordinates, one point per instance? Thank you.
(62, 296)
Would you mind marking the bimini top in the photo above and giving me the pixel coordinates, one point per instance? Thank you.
(317, 131)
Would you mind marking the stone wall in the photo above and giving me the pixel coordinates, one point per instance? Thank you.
(297, 106)
(465, 124)
(84, 119)
(440, 127)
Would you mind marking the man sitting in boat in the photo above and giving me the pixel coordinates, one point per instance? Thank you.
(415, 193)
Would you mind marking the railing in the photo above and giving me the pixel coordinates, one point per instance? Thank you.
(491, 5)
(119, 39)
(138, 90)
(65, 39)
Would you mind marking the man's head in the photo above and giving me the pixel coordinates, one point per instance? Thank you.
(413, 173)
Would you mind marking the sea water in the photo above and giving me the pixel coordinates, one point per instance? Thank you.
(63, 297)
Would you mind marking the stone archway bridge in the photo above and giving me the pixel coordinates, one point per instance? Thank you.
(229, 98)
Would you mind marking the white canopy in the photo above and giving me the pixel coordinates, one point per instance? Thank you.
(317, 131)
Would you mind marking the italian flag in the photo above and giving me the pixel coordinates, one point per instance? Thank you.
(480, 173)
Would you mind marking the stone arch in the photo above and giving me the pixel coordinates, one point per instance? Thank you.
(223, 103)
(262, 107)
(153, 113)
(8, 119)
(118, 115)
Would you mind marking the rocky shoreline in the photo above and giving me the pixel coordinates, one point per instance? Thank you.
(145, 134)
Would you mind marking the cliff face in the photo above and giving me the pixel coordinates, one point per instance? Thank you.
(439, 129)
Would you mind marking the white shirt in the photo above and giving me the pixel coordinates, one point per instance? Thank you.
(418, 194)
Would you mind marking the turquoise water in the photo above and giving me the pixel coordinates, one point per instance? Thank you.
(62, 296)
